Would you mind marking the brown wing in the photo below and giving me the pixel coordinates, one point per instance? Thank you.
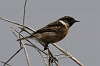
(52, 27)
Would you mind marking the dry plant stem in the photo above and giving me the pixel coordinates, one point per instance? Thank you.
(17, 23)
(68, 54)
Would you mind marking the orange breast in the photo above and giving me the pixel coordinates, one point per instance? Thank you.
(67, 28)
(61, 35)
(52, 37)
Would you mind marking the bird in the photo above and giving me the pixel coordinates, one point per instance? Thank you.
(53, 32)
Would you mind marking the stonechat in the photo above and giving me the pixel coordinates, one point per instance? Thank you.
(53, 32)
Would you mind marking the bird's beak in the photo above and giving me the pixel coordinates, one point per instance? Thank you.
(77, 21)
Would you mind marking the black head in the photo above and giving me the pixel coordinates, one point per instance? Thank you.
(69, 20)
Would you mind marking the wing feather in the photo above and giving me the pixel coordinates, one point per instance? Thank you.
(52, 27)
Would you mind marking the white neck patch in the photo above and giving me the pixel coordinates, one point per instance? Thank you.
(63, 22)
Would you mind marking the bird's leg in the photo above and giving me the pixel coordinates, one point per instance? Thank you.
(46, 46)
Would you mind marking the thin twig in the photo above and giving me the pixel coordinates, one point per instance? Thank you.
(24, 12)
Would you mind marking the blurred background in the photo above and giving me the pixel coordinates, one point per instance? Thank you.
(83, 38)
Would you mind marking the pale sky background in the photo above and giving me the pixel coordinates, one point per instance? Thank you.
(83, 38)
